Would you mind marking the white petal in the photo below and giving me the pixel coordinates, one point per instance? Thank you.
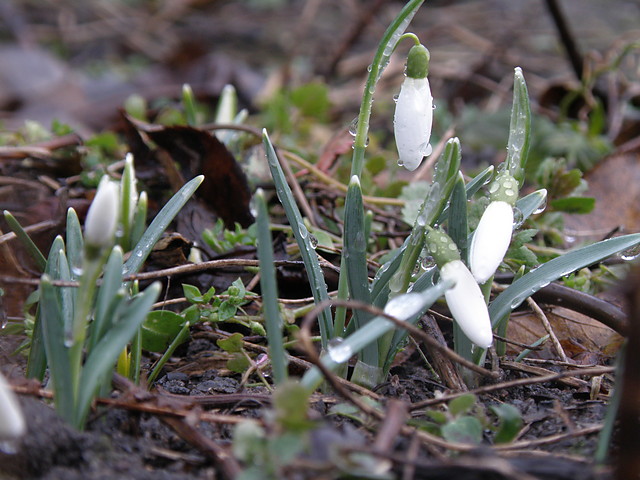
(102, 217)
(12, 424)
(491, 240)
(466, 303)
(412, 122)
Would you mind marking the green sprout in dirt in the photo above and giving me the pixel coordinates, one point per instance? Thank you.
(80, 333)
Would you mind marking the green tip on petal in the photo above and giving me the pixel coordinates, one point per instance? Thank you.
(418, 62)
(441, 247)
(504, 188)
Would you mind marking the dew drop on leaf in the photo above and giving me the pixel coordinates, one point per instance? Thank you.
(338, 351)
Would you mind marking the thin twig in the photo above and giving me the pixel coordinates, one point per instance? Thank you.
(537, 311)
(514, 383)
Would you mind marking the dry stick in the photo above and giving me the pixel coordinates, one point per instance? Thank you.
(547, 326)
(513, 383)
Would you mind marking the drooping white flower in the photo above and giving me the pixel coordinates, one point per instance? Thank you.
(102, 217)
(12, 423)
(466, 303)
(414, 111)
(412, 122)
(491, 240)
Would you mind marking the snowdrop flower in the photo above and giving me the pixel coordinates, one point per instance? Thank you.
(414, 111)
(465, 299)
(492, 237)
(12, 424)
(466, 303)
(102, 217)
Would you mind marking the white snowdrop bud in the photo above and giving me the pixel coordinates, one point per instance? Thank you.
(414, 111)
(491, 240)
(466, 303)
(102, 217)
(12, 424)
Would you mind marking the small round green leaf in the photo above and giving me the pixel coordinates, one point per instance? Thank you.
(159, 329)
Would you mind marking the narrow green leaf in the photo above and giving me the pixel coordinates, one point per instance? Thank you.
(57, 353)
(458, 226)
(181, 337)
(301, 234)
(33, 251)
(75, 243)
(519, 128)
(269, 289)
(554, 269)
(102, 358)
(160, 223)
(104, 308)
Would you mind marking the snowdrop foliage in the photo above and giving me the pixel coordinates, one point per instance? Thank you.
(414, 111)
(491, 240)
(466, 303)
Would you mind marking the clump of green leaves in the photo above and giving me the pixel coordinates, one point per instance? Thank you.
(464, 420)
(221, 308)
(221, 239)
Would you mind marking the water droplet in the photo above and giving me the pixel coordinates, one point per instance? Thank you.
(3, 319)
(516, 303)
(69, 340)
(494, 188)
(518, 217)
(433, 106)
(400, 163)
(77, 271)
(421, 221)
(253, 208)
(428, 262)
(452, 247)
(631, 253)
(569, 239)
(541, 207)
(509, 192)
(313, 241)
(395, 97)
(369, 67)
(302, 229)
(366, 142)
(353, 127)
(262, 359)
(338, 351)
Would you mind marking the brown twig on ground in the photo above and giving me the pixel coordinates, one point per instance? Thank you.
(594, 307)
(537, 311)
(551, 377)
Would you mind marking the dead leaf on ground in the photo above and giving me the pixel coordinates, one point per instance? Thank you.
(225, 190)
(615, 184)
(583, 338)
